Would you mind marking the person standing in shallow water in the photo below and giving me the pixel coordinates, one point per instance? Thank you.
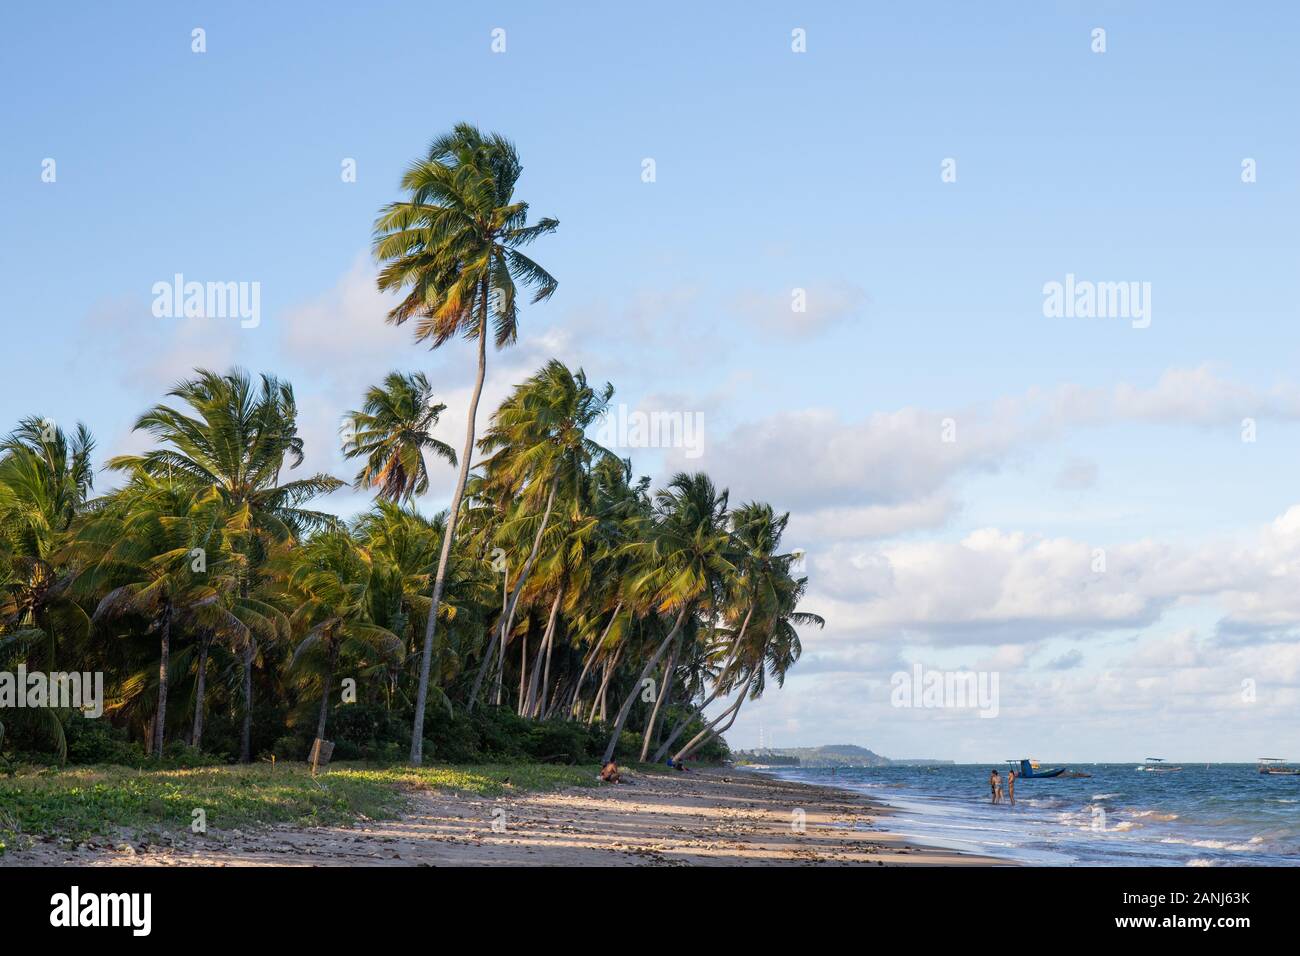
(1011, 787)
(995, 786)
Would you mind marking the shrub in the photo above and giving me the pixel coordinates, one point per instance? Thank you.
(98, 741)
(629, 746)
(557, 741)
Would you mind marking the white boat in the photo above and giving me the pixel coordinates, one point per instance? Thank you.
(1276, 767)
(1157, 765)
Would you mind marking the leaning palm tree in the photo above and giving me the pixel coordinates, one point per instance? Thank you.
(392, 431)
(232, 445)
(454, 246)
(623, 511)
(684, 554)
(769, 593)
(539, 448)
(756, 534)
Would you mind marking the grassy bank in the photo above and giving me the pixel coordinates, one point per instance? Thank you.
(82, 802)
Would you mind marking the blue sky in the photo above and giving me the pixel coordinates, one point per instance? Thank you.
(775, 170)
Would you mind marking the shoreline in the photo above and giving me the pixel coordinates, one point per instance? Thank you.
(708, 817)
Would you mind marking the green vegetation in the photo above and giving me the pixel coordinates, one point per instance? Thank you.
(78, 803)
(559, 612)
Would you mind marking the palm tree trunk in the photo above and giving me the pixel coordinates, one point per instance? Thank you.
(577, 688)
(430, 630)
(708, 735)
(542, 648)
(200, 691)
(546, 676)
(523, 671)
(626, 709)
(246, 726)
(42, 618)
(501, 649)
(598, 702)
(508, 615)
(561, 688)
(164, 662)
(696, 712)
(600, 692)
(699, 711)
(535, 675)
(682, 725)
(490, 654)
(325, 693)
(501, 676)
(711, 730)
(665, 683)
(575, 709)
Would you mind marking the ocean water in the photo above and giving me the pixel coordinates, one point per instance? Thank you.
(1215, 815)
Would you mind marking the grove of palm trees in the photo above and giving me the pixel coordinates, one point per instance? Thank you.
(560, 610)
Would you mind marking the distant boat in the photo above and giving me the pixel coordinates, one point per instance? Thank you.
(1029, 770)
(1156, 765)
(1276, 767)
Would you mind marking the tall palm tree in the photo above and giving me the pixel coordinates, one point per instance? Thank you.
(232, 445)
(454, 246)
(392, 431)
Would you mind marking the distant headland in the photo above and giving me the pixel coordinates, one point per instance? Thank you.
(830, 755)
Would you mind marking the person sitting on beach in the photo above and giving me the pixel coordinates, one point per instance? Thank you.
(1011, 787)
(609, 773)
(995, 785)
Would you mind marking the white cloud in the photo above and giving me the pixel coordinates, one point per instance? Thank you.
(1009, 587)
(812, 460)
(870, 521)
(1179, 693)
(892, 471)
(345, 328)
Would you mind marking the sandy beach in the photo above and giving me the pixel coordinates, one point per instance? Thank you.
(718, 817)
